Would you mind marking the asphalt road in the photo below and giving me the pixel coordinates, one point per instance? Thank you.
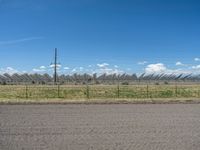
(100, 127)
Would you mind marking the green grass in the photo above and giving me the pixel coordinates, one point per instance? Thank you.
(97, 92)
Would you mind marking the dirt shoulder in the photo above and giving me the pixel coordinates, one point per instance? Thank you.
(100, 101)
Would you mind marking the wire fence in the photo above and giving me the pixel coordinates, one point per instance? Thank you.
(99, 91)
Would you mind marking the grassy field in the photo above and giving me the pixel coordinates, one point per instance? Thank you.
(27, 93)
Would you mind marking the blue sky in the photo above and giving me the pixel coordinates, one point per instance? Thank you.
(112, 36)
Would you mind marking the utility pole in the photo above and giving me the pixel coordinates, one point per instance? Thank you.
(55, 67)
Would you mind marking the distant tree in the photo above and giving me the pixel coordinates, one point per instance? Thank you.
(125, 83)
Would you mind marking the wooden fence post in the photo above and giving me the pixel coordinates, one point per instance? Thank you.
(26, 91)
(118, 91)
(88, 92)
(198, 92)
(58, 91)
(147, 91)
(176, 90)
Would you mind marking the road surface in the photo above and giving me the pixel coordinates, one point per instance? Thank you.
(100, 127)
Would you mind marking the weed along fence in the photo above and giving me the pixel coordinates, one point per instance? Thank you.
(99, 91)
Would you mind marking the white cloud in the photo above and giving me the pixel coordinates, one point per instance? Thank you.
(179, 64)
(156, 68)
(142, 62)
(20, 40)
(161, 68)
(77, 70)
(103, 65)
(196, 67)
(66, 68)
(81, 68)
(53, 65)
(197, 59)
(42, 67)
(116, 66)
(24, 71)
(178, 71)
(8, 70)
(74, 70)
(105, 69)
(109, 71)
(117, 71)
(38, 70)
